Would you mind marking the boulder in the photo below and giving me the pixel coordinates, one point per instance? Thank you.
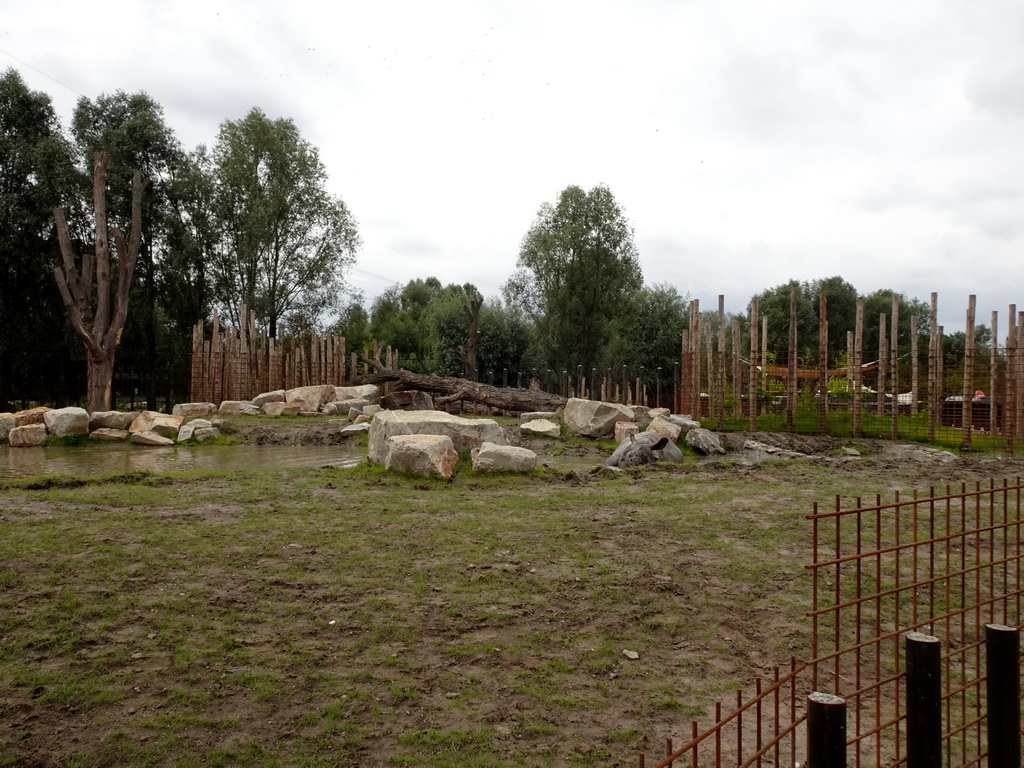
(278, 408)
(665, 427)
(656, 412)
(311, 398)
(593, 418)
(186, 432)
(239, 408)
(188, 410)
(67, 421)
(112, 419)
(432, 455)
(6, 425)
(329, 409)
(107, 434)
(147, 437)
(503, 458)
(31, 416)
(354, 429)
(704, 441)
(372, 409)
(542, 427)
(153, 421)
(207, 433)
(624, 429)
(685, 423)
(640, 412)
(409, 400)
(464, 433)
(277, 396)
(535, 415)
(368, 392)
(27, 435)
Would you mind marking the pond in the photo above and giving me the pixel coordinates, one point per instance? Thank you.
(99, 459)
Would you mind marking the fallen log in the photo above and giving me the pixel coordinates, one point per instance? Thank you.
(503, 398)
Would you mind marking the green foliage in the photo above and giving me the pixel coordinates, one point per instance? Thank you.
(578, 268)
(284, 240)
(647, 332)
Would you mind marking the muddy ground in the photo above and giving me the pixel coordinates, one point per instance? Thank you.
(480, 652)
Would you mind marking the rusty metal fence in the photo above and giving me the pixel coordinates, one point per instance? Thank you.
(947, 564)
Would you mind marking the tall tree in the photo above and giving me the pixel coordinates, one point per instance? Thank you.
(130, 129)
(37, 172)
(99, 326)
(286, 240)
(648, 335)
(578, 265)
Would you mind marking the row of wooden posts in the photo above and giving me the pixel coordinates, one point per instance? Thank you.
(238, 363)
(718, 380)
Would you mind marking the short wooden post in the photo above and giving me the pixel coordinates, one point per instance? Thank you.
(826, 731)
(1002, 687)
(924, 700)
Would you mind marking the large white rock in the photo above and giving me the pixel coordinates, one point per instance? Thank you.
(277, 396)
(277, 408)
(112, 419)
(6, 425)
(704, 441)
(311, 398)
(542, 427)
(624, 429)
(503, 458)
(432, 455)
(665, 427)
(465, 434)
(161, 423)
(367, 392)
(207, 433)
(593, 418)
(67, 421)
(188, 410)
(238, 407)
(27, 435)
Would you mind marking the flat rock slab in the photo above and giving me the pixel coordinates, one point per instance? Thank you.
(503, 458)
(30, 416)
(146, 437)
(465, 434)
(281, 408)
(106, 434)
(153, 421)
(542, 427)
(188, 410)
(112, 419)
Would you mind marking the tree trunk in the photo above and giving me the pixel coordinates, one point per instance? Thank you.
(100, 383)
(503, 398)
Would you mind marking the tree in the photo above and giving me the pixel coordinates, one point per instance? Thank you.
(578, 266)
(286, 241)
(101, 333)
(37, 173)
(648, 334)
(130, 129)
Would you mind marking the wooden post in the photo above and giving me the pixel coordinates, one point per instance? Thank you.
(696, 334)
(894, 364)
(822, 363)
(883, 365)
(966, 419)
(1010, 395)
(752, 383)
(915, 367)
(737, 380)
(1019, 377)
(721, 361)
(934, 381)
(791, 378)
(858, 362)
(993, 377)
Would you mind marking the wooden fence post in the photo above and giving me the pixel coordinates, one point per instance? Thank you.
(822, 362)
(967, 412)
(791, 378)
(826, 731)
(924, 700)
(894, 364)
(1002, 687)
(858, 363)
(752, 383)
(934, 380)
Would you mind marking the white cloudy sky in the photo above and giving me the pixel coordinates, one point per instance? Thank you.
(749, 142)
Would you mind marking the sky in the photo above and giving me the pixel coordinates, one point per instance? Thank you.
(749, 143)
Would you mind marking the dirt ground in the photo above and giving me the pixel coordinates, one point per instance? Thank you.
(241, 721)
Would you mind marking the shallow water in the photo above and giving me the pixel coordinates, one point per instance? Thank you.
(98, 459)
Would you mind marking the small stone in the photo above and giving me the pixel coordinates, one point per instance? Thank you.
(633, 655)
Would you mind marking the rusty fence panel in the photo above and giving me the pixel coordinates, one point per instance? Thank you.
(945, 564)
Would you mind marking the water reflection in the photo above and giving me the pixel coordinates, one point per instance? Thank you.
(98, 459)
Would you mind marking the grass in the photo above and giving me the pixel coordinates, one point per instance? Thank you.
(359, 617)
